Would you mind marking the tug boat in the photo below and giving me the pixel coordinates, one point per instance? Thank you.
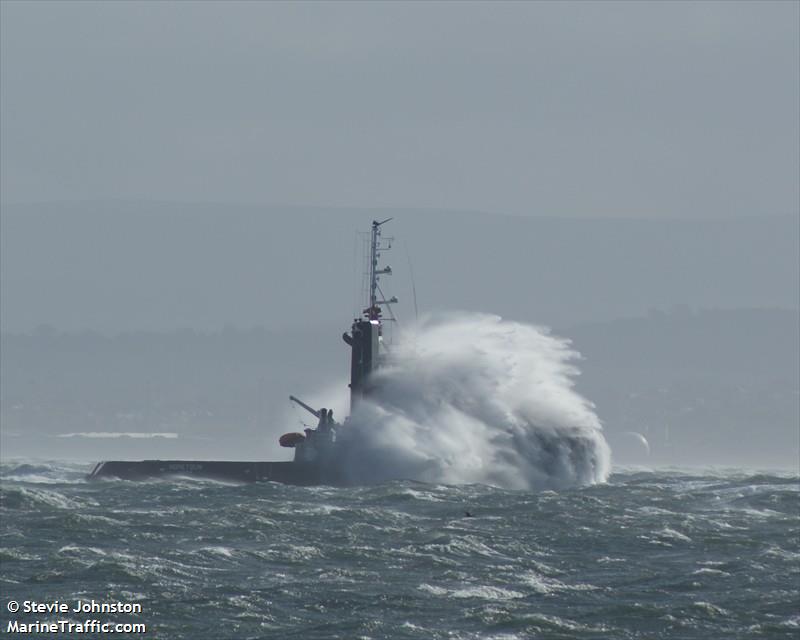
(320, 454)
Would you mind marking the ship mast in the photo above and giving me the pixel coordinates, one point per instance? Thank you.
(373, 310)
(365, 337)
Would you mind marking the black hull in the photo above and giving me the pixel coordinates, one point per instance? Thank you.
(295, 473)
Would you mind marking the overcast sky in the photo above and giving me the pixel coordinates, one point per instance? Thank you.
(558, 109)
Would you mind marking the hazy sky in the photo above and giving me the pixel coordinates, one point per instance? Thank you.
(632, 108)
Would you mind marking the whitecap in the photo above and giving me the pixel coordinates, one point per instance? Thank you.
(52, 498)
(432, 589)
(562, 623)
(219, 551)
(487, 593)
(483, 592)
(545, 585)
(785, 554)
(710, 572)
(15, 554)
(609, 560)
(426, 496)
(72, 549)
(710, 609)
(671, 534)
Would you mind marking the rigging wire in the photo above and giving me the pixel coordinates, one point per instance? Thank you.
(413, 284)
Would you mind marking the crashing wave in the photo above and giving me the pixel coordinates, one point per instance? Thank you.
(472, 398)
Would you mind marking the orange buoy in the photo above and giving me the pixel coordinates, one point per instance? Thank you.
(291, 439)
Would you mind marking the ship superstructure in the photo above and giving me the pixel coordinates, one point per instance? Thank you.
(319, 453)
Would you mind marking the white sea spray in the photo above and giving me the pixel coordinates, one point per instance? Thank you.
(473, 398)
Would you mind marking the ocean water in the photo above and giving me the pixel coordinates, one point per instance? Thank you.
(648, 554)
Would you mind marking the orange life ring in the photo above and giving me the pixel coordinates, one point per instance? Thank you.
(291, 439)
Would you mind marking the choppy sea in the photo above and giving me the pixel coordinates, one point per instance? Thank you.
(649, 554)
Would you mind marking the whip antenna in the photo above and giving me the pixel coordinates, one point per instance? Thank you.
(413, 284)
